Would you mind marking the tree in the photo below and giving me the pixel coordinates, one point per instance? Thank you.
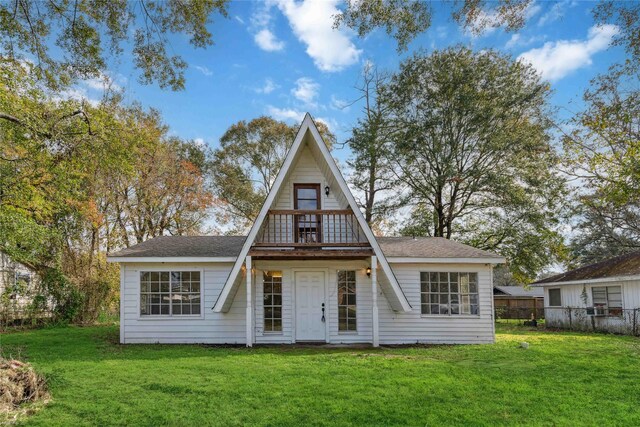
(602, 152)
(404, 20)
(471, 148)
(626, 16)
(86, 31)
(245, 166)
(372, 176)
(64, 166)
(604, 230)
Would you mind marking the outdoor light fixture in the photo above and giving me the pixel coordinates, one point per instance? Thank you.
(368, 271)
(326, 190)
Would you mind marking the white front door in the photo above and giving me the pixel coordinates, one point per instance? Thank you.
(310, 301)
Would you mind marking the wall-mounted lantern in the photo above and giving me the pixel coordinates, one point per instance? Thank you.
(368, 271)
(326, 190)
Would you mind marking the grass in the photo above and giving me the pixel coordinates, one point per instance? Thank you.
(562, 379)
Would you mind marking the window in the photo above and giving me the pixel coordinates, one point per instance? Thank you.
(272, 302)
(449, 293)
(609, 299)
(347, 301)
(554, 298)
(169, 293)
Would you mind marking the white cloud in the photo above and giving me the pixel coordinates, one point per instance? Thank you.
(306, 90)
(513, 41)
(268, 87)
(331, 124)
(103, 82)
(266, 40)
(199, 142)
(78, 94)
(532, 10)
(240, 20)
(285, 113)
(204, 70)
(556, 12)
(312, 23)
(340, 104)
(555, 60)
(517, 40)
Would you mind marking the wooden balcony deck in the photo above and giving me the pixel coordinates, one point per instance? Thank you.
(304, 234)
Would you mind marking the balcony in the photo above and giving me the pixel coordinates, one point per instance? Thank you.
(311, 234)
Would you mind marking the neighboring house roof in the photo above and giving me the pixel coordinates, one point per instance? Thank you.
(230, 246)
(620, 266)
(518, 291)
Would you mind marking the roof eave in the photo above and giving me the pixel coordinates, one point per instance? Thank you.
(597, 280)
(446, 260)
(150, 259)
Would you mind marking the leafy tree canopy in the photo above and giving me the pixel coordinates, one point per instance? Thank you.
(72, 39)
(404, 20)
(473, 155)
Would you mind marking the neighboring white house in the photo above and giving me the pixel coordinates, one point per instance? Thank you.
(603, 296)
(310, 270)
(17, 289)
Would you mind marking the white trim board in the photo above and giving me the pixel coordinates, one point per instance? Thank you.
(171, 259)
(395, 296)
(588, 281)
(410, 260)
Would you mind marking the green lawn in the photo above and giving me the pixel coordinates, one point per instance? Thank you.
(562, 379)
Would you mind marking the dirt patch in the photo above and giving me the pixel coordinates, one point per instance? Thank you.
(20, 388)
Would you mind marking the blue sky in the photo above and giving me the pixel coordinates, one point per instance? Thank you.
(282, 58)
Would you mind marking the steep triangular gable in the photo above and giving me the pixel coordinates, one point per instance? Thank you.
(388, 282)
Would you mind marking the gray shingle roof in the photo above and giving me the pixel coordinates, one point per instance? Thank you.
(185, 246)
(430, 247)
(520, 291)
(230, 246)
(623, 265)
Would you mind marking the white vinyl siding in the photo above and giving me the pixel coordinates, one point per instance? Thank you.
(229, 328)
(208, 328)
(413, 327)
(306, 171)
(573, 296)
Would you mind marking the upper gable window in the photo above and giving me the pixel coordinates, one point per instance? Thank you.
(306, 196)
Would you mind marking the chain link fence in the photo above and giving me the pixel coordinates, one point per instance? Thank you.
(615, 321)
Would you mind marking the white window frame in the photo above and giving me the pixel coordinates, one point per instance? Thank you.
(281, 305)
(355, 306)
(549, 294)
(607, 306)
(170, 316)
(459, 293)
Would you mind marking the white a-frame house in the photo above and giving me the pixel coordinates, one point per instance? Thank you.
(310, 270)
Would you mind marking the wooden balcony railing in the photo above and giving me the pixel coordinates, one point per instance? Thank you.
(311, 228)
